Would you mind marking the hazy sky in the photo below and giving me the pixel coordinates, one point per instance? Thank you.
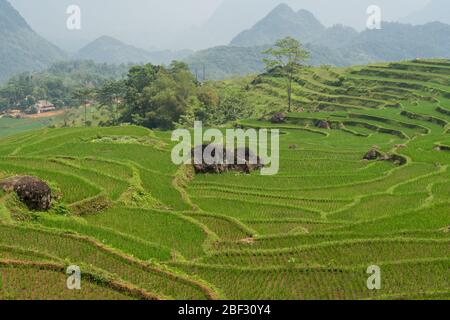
(179, 24)
(146, 23)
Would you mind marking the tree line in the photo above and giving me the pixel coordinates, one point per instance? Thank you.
(149, 95)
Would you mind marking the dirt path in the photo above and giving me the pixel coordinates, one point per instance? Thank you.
(44, 115)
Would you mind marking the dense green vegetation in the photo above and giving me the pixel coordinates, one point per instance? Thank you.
(58, 83)
(157, 96)
(126, 212)
(165, 97)
(101, 94)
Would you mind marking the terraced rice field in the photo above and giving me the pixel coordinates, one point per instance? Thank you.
(143, 228)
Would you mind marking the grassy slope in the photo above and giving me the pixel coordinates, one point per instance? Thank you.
(309, 232)
(73, 117)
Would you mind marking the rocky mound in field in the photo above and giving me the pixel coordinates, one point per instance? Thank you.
(373, 154)
(278, 118)
(323, 124)
(442, 148)
(240, 159)
(33, 192)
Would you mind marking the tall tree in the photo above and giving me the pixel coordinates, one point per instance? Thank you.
(112, 95)
(287, 55)
(83, 96)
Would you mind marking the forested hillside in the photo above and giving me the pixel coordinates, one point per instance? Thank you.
(21, 48)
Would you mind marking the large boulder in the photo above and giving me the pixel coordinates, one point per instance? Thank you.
(373, 154)
(243, 160)
(204, 167)
(32, 191)
(322, 124)
(442, 148)
(278, 118)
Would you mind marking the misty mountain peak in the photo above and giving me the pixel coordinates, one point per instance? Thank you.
(109, 39)
(281, 22)
(282, 9)
(107, 49)
(106, 41)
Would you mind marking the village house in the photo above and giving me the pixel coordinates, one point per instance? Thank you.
(44, 106)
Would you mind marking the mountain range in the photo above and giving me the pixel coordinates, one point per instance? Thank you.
(187, 24)
(23, 49)
(338, 45)
(233, 16)
(280, 22)
(147, 24)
